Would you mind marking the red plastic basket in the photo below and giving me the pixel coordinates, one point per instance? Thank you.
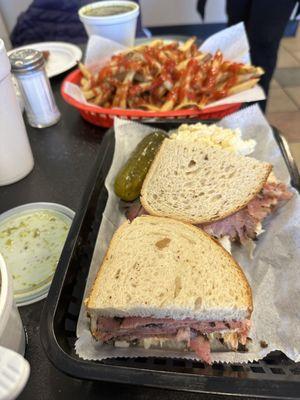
(105, 116)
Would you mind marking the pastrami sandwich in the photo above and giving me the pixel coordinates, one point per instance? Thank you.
(226, 194)
(167, 284)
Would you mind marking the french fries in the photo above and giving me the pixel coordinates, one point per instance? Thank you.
(85, 72)
(166, 76)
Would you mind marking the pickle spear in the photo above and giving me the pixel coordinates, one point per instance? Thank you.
(130, 178)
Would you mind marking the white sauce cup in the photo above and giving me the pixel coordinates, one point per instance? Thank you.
(120, 28)
(12, 333)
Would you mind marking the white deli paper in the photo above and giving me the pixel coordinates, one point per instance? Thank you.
(273, 273)
(231, 41)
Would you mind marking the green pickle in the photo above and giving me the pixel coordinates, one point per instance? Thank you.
(129, 181)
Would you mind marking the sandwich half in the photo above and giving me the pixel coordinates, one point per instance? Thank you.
(165, 283)
(224, 193)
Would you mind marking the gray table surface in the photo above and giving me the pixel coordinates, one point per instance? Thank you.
(64, 156)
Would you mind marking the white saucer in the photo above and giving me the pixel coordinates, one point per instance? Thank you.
(62, 56)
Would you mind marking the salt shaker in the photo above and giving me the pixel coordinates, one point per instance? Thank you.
(28, 67)
(16, 160)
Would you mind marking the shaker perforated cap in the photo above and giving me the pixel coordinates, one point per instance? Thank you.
(26, 60)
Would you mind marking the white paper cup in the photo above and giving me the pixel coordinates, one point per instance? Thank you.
(121, 27)
(16, 160)
(12, 333)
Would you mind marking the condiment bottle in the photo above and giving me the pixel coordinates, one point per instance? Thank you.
(28, 67)
(16, 160)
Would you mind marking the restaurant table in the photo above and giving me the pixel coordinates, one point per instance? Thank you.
(64, 157)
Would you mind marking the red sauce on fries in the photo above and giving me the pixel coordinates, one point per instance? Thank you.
(166, 77)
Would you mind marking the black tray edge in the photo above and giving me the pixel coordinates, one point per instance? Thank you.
(50, 306)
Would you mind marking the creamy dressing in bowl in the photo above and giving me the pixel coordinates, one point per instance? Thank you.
(31, 243)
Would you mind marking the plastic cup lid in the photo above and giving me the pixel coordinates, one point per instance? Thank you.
(32, 237)
(14, 372)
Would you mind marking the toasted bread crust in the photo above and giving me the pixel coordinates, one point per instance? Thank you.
(191, 219)
(91, 301)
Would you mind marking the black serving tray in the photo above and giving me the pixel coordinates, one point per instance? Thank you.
(275, 376)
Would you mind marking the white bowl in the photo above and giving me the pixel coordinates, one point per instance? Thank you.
(120, 28)
(39, 292)
(12, 333)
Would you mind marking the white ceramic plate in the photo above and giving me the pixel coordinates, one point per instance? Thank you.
(62, 57)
